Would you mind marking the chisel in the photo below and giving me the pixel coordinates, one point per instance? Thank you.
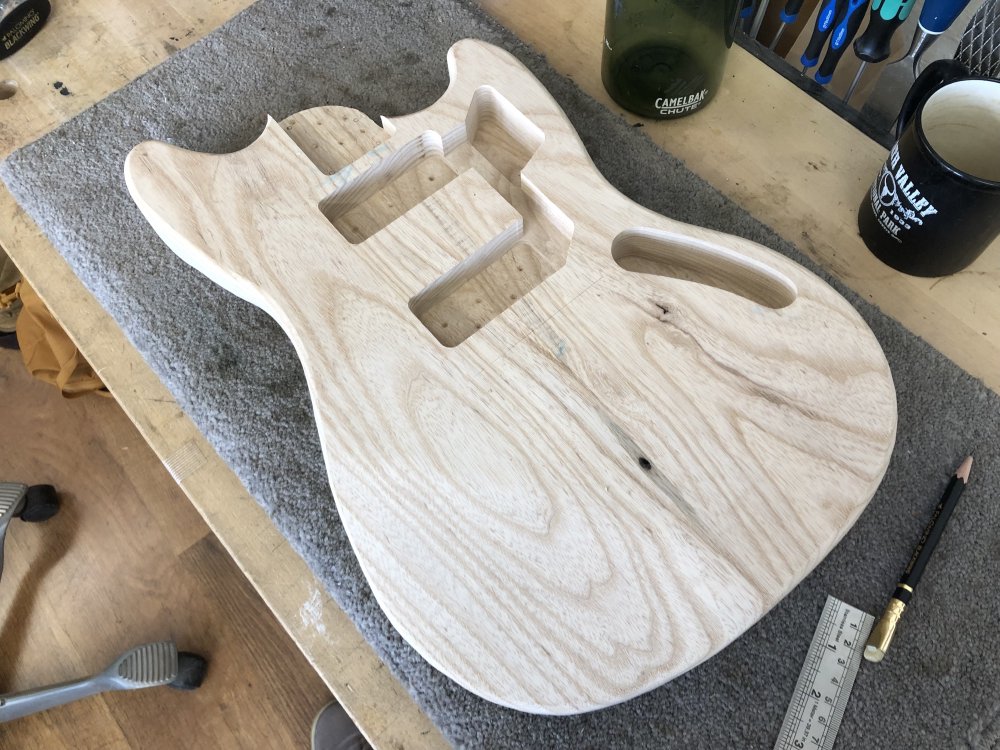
(788, 15)
(936, 17)
(883, 105)
(828, 14)
(846, 27)
(875, 44)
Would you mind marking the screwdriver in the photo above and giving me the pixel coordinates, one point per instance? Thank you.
(874, 45)
(935, 18)
(843, 32)
(824, 25)
(758, 18)
(882, 107)
(788, 15)
(746, 14)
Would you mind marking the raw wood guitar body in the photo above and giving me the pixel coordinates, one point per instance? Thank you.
(578, 447)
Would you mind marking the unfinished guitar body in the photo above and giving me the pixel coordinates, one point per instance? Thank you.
(578, 447)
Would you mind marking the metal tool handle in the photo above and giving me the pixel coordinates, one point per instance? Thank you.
(16, 705)
(3, 541)
(758, 18)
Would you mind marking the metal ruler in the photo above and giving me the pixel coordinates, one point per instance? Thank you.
(827, 677)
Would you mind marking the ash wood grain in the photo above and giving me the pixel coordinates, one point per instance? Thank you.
(599, 486)
(795, 166)
(377, 702)
(127, 559)
(757, 144)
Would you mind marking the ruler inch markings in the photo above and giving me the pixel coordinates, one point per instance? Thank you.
(827, 677)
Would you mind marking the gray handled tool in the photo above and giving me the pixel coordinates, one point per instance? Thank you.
(31, 504)
(150, 665)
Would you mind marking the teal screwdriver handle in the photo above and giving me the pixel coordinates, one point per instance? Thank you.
(937, 15)
(886, 16)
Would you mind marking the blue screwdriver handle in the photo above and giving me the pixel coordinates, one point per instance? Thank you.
(746, 8)
(938, 15)
(843, 33)
(828, 15)
(791, 11)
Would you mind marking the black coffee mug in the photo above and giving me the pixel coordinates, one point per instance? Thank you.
(935, 205)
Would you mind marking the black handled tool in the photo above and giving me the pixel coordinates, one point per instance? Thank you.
(746, 14)
(882, 108)
(844, 29)
(875, 44)
(825, 21)
(788, 15)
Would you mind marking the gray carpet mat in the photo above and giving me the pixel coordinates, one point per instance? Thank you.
(231, 368)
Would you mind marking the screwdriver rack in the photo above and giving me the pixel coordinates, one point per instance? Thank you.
(820, 93)
(789, 36)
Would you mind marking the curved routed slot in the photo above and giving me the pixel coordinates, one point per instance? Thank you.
(677, 256)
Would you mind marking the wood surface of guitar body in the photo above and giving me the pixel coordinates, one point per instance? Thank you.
(578, 447)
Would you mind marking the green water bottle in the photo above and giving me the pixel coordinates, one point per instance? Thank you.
(665, 58)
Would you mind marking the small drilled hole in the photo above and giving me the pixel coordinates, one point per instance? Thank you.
(644, 463)
(7, 89)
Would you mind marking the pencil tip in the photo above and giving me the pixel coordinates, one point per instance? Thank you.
(963, 471)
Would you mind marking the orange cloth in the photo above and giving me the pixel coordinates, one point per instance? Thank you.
(48, 352)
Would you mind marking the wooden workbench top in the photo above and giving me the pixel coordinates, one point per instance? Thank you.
(798, 168)
(763, 143)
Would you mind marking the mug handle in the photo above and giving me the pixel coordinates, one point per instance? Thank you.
(934, 76)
